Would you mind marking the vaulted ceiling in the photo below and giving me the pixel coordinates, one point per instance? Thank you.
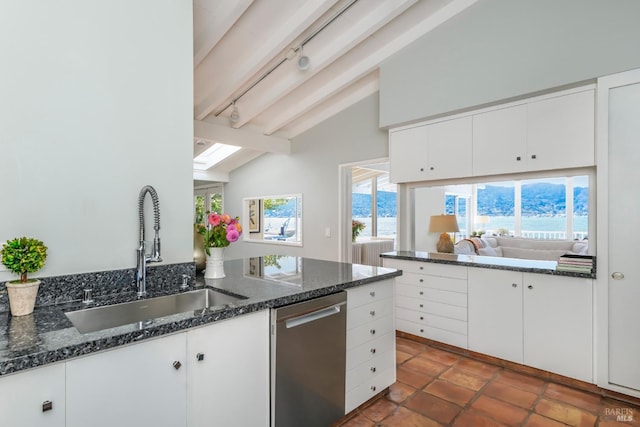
(246, 52)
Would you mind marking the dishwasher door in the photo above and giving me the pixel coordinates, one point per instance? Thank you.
(308, 357)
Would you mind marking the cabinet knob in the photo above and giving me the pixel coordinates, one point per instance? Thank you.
(372, 293)
(421, 268)
(47, 405)
(518, 159)
(421, 169)
(533, 156)
(421, 280)
(431, 168)
(515, 285)
(372, 312)
(530, 287)
(177, 364)
(422, 331)
(421, 293)
(421, 305)
(373, 351)
(373, 369)
(373, 388)
(421, 318)
(617, 276)
(200, 357)
(373, 331)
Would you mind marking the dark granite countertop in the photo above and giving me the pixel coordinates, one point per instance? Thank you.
(47, 335)
(496, 263)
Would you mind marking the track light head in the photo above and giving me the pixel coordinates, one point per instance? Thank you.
(235, 115)
(303, 61)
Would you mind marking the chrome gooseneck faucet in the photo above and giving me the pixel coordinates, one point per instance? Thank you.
(143, 258)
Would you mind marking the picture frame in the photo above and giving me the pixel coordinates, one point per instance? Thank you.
(254, 216)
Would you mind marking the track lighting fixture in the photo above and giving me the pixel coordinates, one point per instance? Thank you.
(235, 115)
(303, 61)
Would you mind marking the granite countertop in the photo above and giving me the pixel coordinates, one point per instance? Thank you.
(47, 335)
(496, 263)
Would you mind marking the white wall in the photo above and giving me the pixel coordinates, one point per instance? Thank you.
(499, 49)
(95, 103)
(311, 169)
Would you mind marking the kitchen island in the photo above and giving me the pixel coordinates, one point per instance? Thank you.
(224, 349)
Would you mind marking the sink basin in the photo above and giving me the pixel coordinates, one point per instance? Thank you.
(110, 316)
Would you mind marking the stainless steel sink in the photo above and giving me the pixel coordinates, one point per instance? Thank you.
(110, 316)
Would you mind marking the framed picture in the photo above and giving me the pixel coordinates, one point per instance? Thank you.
(254, 216)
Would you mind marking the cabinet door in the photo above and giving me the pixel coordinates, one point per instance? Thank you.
(558, 325)
(449, 149)
(500, 141)
(138, 385)
(23, 397)
(495, 313)
(228, 372)
(408, 154)
(624, 269)
(560, 132)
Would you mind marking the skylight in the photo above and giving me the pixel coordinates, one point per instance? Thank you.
(213, 155)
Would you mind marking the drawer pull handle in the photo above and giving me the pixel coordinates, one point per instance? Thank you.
(530, 286)
(373, 351)
(422, 331)
(421, 268)
(372, 293)
(421, 318)
(518, 158)
(533, 156)
(200, 357)
(373, 388)
(421, 305)
(373, 331)
(177, 364)
(372, 312)
(47, 405)
(373, 369)
(421, 280)
(421, 293)
(515, 285)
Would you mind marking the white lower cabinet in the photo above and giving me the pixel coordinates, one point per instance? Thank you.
(431, 300)
(371, 357)
(33, 398)
(142, 384)
(538, 320)
(228, 372)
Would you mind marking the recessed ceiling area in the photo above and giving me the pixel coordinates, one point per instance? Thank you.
(248, 55)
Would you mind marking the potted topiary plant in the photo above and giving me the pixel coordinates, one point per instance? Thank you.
(23, 255)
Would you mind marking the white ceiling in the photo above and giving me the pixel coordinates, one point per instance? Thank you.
(247, 50)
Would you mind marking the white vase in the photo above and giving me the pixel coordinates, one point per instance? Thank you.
(214, 268)
(22, 297)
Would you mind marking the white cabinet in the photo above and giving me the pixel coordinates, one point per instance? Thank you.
(495, 313)
(538, 320)
(558, 325)
(143, 384)
(430, 152)
(370, 342)
(228, 372)
(431, 300)
(34, 398)
(500, 141)
(561, 132)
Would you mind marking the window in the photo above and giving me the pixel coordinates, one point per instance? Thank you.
(374, 201)
(455, 204)
(273, 219)
(207, 199)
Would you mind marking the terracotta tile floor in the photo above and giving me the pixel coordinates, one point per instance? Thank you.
(438, 388)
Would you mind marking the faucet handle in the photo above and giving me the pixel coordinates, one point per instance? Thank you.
(185, 282)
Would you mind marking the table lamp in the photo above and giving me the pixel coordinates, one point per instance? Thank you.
(444, 224)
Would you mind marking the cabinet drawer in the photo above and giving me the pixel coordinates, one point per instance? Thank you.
(446, 323)
(369, 293)
(430, 268)
(437, 295)
(369, 350)
(369, 370)
(424, 306)
(435, 334)
(369, 389)
(433, 282)
(368, 312)
(369, 331)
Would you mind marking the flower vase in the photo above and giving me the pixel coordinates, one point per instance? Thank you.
(215, 264)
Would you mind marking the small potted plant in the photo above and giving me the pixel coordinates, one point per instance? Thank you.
(356, 228)
(23, 255)
(220, 231)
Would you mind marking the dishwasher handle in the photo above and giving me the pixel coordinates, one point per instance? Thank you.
(313, 316)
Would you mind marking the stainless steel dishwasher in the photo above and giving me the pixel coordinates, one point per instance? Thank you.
(308, 357)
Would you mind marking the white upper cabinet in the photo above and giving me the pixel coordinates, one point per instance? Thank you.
(429, 152)
(546, 133)
(500, 141)
(560, 131)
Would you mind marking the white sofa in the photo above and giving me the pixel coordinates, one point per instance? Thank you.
(518, 247)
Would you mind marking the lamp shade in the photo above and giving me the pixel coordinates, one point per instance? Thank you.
(443, 224)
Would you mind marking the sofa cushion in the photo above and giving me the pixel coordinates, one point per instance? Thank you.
(523, 243)
(537, 254)
(489, 251)
(490, 242)
(580, 248)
